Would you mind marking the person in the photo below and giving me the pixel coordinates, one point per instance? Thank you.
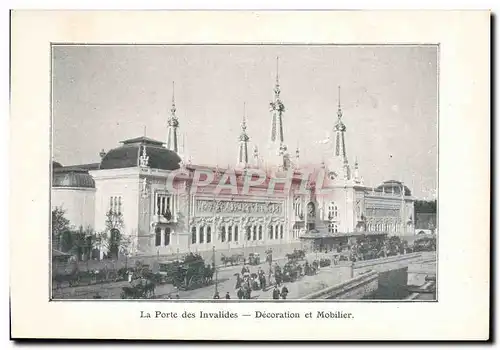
(228, 296)
(216, 295)
(240, 293)
(284, 292)
(177, 296)
(276, 293)
(244, 270)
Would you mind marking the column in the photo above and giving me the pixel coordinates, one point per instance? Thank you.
(162, 237)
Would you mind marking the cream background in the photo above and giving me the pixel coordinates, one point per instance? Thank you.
(462, 310)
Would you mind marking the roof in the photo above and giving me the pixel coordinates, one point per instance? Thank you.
(393, 185)
(143, 140)
(127, 155)
(72, 177)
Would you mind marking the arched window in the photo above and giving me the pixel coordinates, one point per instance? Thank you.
(254, 233)
(193, 235)
(281, 231)
(209, 234)
(167, 236)
(229, 233)
(297, 207)
(260, 233)
(270, 232)
(202, 234)
(236, 233)
(249, 233)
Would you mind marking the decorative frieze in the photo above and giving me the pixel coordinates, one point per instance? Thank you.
(204, 206)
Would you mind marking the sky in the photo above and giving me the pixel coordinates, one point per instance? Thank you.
(106, 94)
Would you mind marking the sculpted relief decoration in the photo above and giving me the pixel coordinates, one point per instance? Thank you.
(204, 206)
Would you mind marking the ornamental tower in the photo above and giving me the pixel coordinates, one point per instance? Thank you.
(173, 125)
(242, 161)
(340, 163)
(277, 148)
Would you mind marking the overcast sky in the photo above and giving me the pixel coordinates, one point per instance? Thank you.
(105, 94)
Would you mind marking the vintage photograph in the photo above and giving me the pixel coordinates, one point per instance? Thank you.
(244, 172)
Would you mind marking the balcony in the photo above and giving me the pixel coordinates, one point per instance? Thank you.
(165, 218)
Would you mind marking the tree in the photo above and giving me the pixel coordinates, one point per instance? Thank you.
(60, 225)
(112, 237)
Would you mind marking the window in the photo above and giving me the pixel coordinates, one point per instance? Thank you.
(167, 236)
(209, 234)
(193, 235)
(276, 230)
(223, 234)
(249, 233)
(236, 233)
(254, 233)
(157, 236)
(260, 233)
(333, 227)
(164, 205)
(270, 232)
(281, 231)
(297, 207)
(230, 233)
(332, 211)
(296, 231)
(202, 234)
(115, 205)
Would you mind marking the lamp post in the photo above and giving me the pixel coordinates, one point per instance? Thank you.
(216, 275)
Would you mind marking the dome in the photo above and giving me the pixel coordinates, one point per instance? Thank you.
(127, 155)
(56, 165)
(389, 186)
(72, 177)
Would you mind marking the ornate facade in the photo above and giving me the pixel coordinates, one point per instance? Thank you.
(166, 215)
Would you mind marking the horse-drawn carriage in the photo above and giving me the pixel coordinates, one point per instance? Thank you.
(192, 273)
(291, 271)
(144, 289)
(253, 259)
(234, 259)
(298, 254)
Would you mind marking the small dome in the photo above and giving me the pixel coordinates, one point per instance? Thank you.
(56, 165)
(389, 186)
(127, 155)
(72, 177)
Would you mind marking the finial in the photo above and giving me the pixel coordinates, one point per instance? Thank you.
(102, 154)
(244, 123)
(339, 110)
(277, 70)
(173, 109)
(144, 130)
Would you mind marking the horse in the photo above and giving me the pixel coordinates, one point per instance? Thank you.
(208, 274)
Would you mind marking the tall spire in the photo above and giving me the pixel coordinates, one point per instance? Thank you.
(276, 145)
(243, 142)
(340, 153)
(173, 125)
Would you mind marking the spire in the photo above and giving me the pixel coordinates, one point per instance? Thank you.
(243, 142)
(276, 145)
(340, 152)
(173, 125)
(173, 109)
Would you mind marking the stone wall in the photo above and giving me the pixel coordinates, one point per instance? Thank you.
(354, 288)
